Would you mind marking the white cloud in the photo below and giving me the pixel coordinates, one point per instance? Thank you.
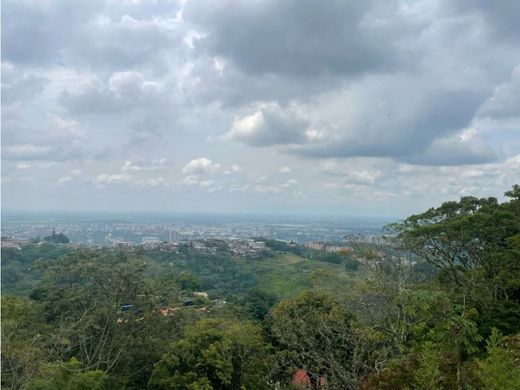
(270, 125)
(75, 175)
(107, 179)
(23, 166)
(153, 182)
(191, 180)
(154, 164)
(200, 166)
(232, 169)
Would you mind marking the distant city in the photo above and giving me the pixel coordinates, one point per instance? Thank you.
(150, 229)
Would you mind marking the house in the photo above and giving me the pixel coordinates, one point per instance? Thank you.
(302, 380)
(187, 301)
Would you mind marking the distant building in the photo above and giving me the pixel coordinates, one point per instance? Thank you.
(317, 246)
(15, 244)
(323, 247)
(151, 240)
(302, 380)
(187, 301)
(257, 245)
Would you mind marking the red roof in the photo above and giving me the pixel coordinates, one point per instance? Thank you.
(301, 378)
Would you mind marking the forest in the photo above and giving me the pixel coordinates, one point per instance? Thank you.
(435, 305)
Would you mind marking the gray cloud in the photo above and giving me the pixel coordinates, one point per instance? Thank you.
(89, 34)
(505, 100)
(392, 91)
(459, 149)
(501, 16)
(361, 121)
(35, 33)
(294, 38)
(17, 86)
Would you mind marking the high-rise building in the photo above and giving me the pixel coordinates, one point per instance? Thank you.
(173, 236)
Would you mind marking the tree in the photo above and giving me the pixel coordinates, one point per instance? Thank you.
(500, 369)
(188, 281)
(68, 376)
(59, 238)
(428, 376)
(214, 354)
(23, 341)
(475, 243)
(316, 333)
(103, 311)
(258, 303)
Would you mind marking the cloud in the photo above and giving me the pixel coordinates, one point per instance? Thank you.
(354, 121)
(207, 185)
(354, 172)
(153, 182)
(352, 100)
(154, 164)
(284, 38)
(28, 152)
(108, 179)
(234, 168)
(459, 149)
(270, 125)
(23, 166)
(500, 17)
(88, 33)
(75, 175)
(505, 100)
(200, 166)
(121, 91)
(191, 180)
(18, 85)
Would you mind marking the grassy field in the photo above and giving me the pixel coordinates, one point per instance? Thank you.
(287, 275)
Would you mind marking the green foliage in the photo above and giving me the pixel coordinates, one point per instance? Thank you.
(414, 315)
(316, 333)
(22, 341)
(218, 274)
(258, 303)
(68, 376)
(351, 264)
(428, 376)
(82, 296)
(474, 243)
(214, 354)
(501, 368)
(59, 238)
(19, 275)
(188, 282)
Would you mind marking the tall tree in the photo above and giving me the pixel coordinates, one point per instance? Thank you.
(316, 333)
(215, 354)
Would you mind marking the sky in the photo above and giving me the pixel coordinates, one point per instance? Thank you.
(365, 108)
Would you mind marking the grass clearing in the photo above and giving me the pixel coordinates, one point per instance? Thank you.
(287, 275)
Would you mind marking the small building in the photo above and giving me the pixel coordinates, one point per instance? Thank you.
(187, 301)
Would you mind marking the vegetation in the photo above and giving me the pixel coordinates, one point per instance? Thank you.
(59, 238)
(435, 306)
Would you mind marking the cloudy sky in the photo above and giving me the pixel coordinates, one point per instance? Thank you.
(294, 106)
